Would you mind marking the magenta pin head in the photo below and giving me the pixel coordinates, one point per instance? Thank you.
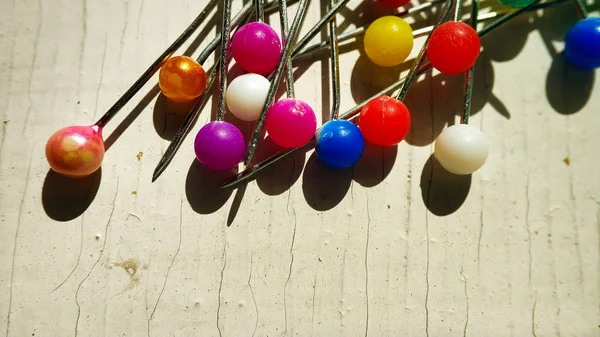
(291, 123)
(219, 146)
(256, 48)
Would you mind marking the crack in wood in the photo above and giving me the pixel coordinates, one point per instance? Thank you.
(170, 266)
(78, 256)
(289, 272)
(16, 242)
(253, 298)
(367, 267)
(32, 67)
(224, 256)
(464, 278)
(98, 260)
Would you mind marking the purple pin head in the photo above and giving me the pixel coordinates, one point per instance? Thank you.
(219, 146)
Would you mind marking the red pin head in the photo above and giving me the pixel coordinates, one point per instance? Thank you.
(384, 121)
(453, 47)
(393, 3)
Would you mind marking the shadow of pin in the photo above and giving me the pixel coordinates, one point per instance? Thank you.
(431, 107)
(507, 41)
(280, 176)
(131, 117)
(202, 188)
(375, 164)
(368, 78)
(568, 88)
(169, 115)
(237, 202)
(65, 199)
(443, 192)
(324, 187)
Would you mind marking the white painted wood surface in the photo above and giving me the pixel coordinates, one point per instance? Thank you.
(377, 250)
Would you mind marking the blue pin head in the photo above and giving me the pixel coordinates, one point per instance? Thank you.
(582, 44)
(340, 144)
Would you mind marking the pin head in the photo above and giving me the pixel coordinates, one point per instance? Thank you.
(219, 146)
(388, 41)
(182, 79)
(291, 123)
(393, 3)
(384, 121)
(75, 151)
(246, 95)
(453, 47)
(461, 149)
(516, 3)
(340, 143)
(256, 48)
(582, 44)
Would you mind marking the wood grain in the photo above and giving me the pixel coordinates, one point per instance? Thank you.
(394, 246)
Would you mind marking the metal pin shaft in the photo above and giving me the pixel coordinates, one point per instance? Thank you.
(223, 58)
(242, 17)
(260, 10)
(351, 113)
(302, 6)
(289, 71)
(470, 73)
(335, 66)
(155, 66)
(417, 63)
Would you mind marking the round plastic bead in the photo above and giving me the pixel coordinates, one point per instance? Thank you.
(384, 121)
(182, 79)
(291, 123)
(388, 41)
(256, 48)
(453, 47)
(340, 144)
(461, 149)
(219, 146)
(246, 96)
(516, 3)
(582, 44)
(393, 3)
(75, 151)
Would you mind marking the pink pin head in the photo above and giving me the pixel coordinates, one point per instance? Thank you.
(256, 48)
(291, 123)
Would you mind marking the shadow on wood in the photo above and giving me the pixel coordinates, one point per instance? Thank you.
(324, 187)
(135, 112)
(443, 192)
(375, 164)
(65, 199)
(237, 202)
(202, 188)
(169, 115)
(568, 89)
(280, 176)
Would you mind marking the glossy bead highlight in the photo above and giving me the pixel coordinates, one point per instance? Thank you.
(182, 79)
(453, 47)
(582, 44)
(75, 151)
(340, 144)
(384, 121)
(291, 123)
(388, 41)
(256, 48)
(461, 149)
(219, 146)
(246, 96)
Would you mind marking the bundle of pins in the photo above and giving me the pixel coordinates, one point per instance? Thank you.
(451, 47)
